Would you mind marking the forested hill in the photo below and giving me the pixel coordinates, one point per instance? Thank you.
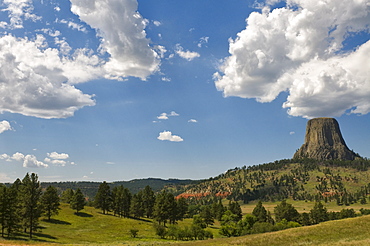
(305, 179)
(90, 188)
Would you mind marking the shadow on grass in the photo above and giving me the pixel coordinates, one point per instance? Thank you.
(42, 235)
(83, 214)
(141, 219)
(55, 221)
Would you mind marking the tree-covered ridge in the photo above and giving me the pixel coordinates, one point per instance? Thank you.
(304, 179)
(134, 186)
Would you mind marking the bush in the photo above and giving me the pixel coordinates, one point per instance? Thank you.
(262, 227)
(160, 230)
(133, 232)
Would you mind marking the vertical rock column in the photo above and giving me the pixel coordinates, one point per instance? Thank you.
(324, 141)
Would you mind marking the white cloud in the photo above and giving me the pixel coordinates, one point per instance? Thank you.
(27, 160)
(121, 28)
(4, 178)
(17, 157)
(165, 116)
(167, 135)
(55, 155)
(55, 162)
(74, 25)
(34, 78)
(188, 55)
(192, 121)
(31, 161)
(5, 126)
(39, 81)
(298, 49)
(57, 8)
(17, 11)
(202, 41)
(157, 23)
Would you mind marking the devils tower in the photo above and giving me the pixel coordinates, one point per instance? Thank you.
(324, 141)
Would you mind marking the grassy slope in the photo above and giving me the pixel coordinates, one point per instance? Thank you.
(353, 231)
(94, 228)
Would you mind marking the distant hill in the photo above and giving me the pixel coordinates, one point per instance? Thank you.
(89, 189)
(305, 179)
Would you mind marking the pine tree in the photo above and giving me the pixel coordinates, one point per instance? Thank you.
(260, 212)
(30, 196)
(319, 213)
(206, 215)
(182, 208)
(148, 201)
(103, 198)
(78, 201)
(126, 202)
(137, 208)
(235, 208)
(50, 202)
(286, 211)
(117, 200)
(67, 195)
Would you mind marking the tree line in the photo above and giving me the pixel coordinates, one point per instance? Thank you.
(23, 203)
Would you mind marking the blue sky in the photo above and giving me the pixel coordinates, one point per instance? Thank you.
(123, 89)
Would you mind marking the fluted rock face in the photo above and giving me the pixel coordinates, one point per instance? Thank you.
(324, 141)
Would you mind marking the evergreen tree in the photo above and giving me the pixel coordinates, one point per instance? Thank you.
(182, 208)
(319, 213)
(126, 202)
(50, 202)
(260, 212)
(31, 209)
(13, 209)
(165, 208)
(117, 200)
(137, 208)
(218, 210)
(286, 211)
(148, 201)
(234, 207)
(78, 201)
(206, 215)
(67, 196)
(103, 198)
(172, 208)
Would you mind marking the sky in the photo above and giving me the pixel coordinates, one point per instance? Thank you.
(94, 90)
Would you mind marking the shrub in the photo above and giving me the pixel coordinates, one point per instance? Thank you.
(134, 232)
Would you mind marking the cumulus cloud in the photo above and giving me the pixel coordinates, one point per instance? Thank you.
(192, 121)
(167, 136)
(121, 29)
(188, 55)
(39, 81)
(55, 155)
(298, 49)
(5, 126)
(165, 116)
(57, 159)
(34, 79)
(27, 160)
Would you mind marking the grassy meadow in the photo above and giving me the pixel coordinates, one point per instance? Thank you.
(91, 227)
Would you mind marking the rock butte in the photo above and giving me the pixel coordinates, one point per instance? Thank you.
(324, 141)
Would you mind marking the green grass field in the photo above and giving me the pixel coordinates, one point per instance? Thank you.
(91, 227)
